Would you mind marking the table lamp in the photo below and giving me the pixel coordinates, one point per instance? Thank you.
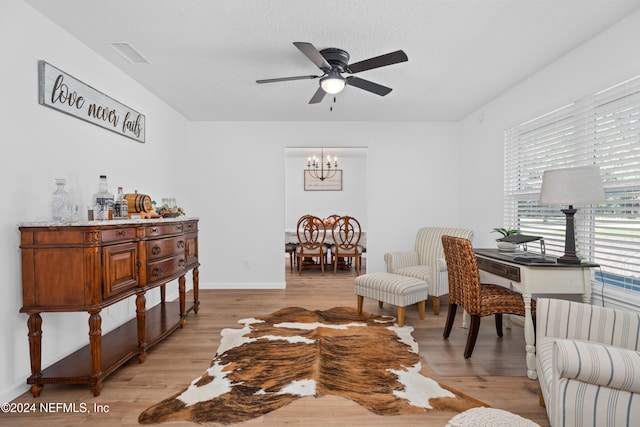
(571, 186)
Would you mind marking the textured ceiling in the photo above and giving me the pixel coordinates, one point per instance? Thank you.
(205, 55)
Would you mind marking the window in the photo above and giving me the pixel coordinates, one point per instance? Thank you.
(603, 129)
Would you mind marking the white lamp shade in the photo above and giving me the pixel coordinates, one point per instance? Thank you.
(332, 84)
(572, 186)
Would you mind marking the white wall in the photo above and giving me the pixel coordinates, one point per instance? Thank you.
(40, 144)
(241, 190)
(442, 174)
(607, 59)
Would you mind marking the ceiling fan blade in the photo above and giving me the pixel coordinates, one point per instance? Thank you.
(368, 86)
(313, 54)
(318, 96)
(378, 61)
(286, 79)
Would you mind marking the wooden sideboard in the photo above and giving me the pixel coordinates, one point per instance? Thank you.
(89, 265)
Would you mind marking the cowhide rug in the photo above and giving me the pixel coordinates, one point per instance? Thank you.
(295, 352)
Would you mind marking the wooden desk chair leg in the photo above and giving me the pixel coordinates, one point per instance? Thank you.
(499, 324)
(451, 316)
(473, 335)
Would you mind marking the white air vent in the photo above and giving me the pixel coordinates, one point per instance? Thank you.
(132, 55)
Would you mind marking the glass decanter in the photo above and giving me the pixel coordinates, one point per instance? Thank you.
(61, 201)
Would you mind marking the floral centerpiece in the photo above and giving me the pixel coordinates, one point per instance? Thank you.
(169, 212)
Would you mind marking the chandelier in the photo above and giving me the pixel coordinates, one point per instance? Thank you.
(320, 170)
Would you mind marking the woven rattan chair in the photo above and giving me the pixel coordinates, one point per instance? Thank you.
(478, 300)
(311, 234)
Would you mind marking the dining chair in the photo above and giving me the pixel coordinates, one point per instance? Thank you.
(346, 232)
(478, 300)
(311, 235)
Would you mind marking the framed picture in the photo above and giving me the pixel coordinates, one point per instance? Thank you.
(334, 183)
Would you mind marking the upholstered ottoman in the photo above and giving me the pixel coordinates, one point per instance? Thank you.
(400, 291)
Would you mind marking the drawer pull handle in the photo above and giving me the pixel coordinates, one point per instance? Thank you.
(181, 244)
(121, 233)
(157, 272)
(179, 227)
(181, 263)
(154, 230)
(156, 250)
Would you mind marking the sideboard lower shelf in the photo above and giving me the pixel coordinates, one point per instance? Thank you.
(118, 347)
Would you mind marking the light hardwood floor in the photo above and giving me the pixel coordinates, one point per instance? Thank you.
(495, 374)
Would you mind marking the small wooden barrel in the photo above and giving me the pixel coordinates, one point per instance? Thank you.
(138, 202)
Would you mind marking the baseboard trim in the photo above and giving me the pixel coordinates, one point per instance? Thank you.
(243, 286)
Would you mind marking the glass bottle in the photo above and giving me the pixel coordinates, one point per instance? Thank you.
(61, 201)
(103, 201)
(121, 208)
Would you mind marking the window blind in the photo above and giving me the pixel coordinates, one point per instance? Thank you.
(601, 129)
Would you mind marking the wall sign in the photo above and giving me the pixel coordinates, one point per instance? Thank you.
(329, 184)
(62, 92)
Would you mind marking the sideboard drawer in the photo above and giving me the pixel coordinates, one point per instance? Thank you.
(118, 234)
(160, 269)
(163, 248)
(164, 229)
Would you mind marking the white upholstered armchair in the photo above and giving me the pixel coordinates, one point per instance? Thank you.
(588, 364)
(426, 261)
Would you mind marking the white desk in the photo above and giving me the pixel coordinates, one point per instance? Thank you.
(531, 278)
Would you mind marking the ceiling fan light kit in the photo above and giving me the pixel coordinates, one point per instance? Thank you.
(333, 62)
(333, 83)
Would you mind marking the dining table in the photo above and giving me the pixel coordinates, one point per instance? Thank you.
(291, 236)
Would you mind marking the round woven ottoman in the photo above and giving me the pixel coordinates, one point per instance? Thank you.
(485, 417)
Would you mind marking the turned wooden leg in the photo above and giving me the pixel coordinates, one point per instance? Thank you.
(421, 305)
(35, 351)
(436, 305)
(359, 305)
(182, 297)
(141, 315)
(401, 316)
(196, 289)
(163, 293)
(95, 342)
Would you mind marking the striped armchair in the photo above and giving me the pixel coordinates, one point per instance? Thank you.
(426, 261)
(588, 364)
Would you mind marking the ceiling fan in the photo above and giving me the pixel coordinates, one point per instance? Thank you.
(333, 62)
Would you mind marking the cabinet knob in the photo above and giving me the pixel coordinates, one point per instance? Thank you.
(157, 272)
(121, 233)
(154, 230)
(156, 250)
(182, 263)
(181, 244)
